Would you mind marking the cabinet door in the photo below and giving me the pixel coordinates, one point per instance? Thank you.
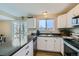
(50, 44)
(57, 44)
(30, 49)
(45, 43)
(61, 22)
(26, 50)
(62, 46)
(69, 19)
(59, 25)
(31, 23)
(72, 13)
(41, 43)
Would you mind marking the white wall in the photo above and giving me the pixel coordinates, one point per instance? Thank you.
(5, 28)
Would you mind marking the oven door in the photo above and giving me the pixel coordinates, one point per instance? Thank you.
(69, 51)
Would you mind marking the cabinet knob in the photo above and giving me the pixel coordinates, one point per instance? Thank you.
(27, 52)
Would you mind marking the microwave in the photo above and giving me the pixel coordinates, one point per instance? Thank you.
(75, 20)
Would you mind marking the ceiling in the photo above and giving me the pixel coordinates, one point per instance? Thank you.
(5, 18)
(24, 9)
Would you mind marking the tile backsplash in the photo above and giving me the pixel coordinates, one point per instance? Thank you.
(76, 30)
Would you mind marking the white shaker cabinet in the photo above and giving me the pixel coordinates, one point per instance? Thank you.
(45, 43)
(62, 46)
(30, 49)
(41, 43)
(53, 44)
(70, 15)
(61, 21)
(57, 44)
(31, 23)
(27, 50)
(50, 44)
(65, 20)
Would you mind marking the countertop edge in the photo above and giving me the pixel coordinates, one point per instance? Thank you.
(20, 48)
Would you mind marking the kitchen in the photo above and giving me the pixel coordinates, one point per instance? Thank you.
(39, 30)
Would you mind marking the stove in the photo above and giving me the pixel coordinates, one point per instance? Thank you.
(71, 47)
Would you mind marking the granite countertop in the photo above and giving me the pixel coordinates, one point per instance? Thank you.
(47, 34)
(10, 50)
(7, 51)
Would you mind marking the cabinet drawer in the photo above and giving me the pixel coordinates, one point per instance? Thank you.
(27, 50)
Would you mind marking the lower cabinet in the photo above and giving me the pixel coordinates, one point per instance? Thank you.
(41, 43)
(62, 47)
(45, 43)
(30, 49)
(57, 44)
(54, 44)
(26, 50)
(50, 44)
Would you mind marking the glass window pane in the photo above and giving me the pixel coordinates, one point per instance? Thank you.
(42, 23)
(50, 24)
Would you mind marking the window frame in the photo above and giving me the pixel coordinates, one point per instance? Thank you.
(46, 27)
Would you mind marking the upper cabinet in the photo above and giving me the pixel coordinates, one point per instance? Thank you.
(65, 20)
(76, 10)
(72, 13)
(61, 21)
(31, 23)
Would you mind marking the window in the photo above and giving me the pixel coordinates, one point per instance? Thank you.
(47, 24)
(50, 24)
(42, 24)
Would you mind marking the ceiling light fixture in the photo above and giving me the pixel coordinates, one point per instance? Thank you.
(45, 14)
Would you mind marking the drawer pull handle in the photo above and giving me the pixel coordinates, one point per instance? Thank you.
(27, 52)
(27, 47)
